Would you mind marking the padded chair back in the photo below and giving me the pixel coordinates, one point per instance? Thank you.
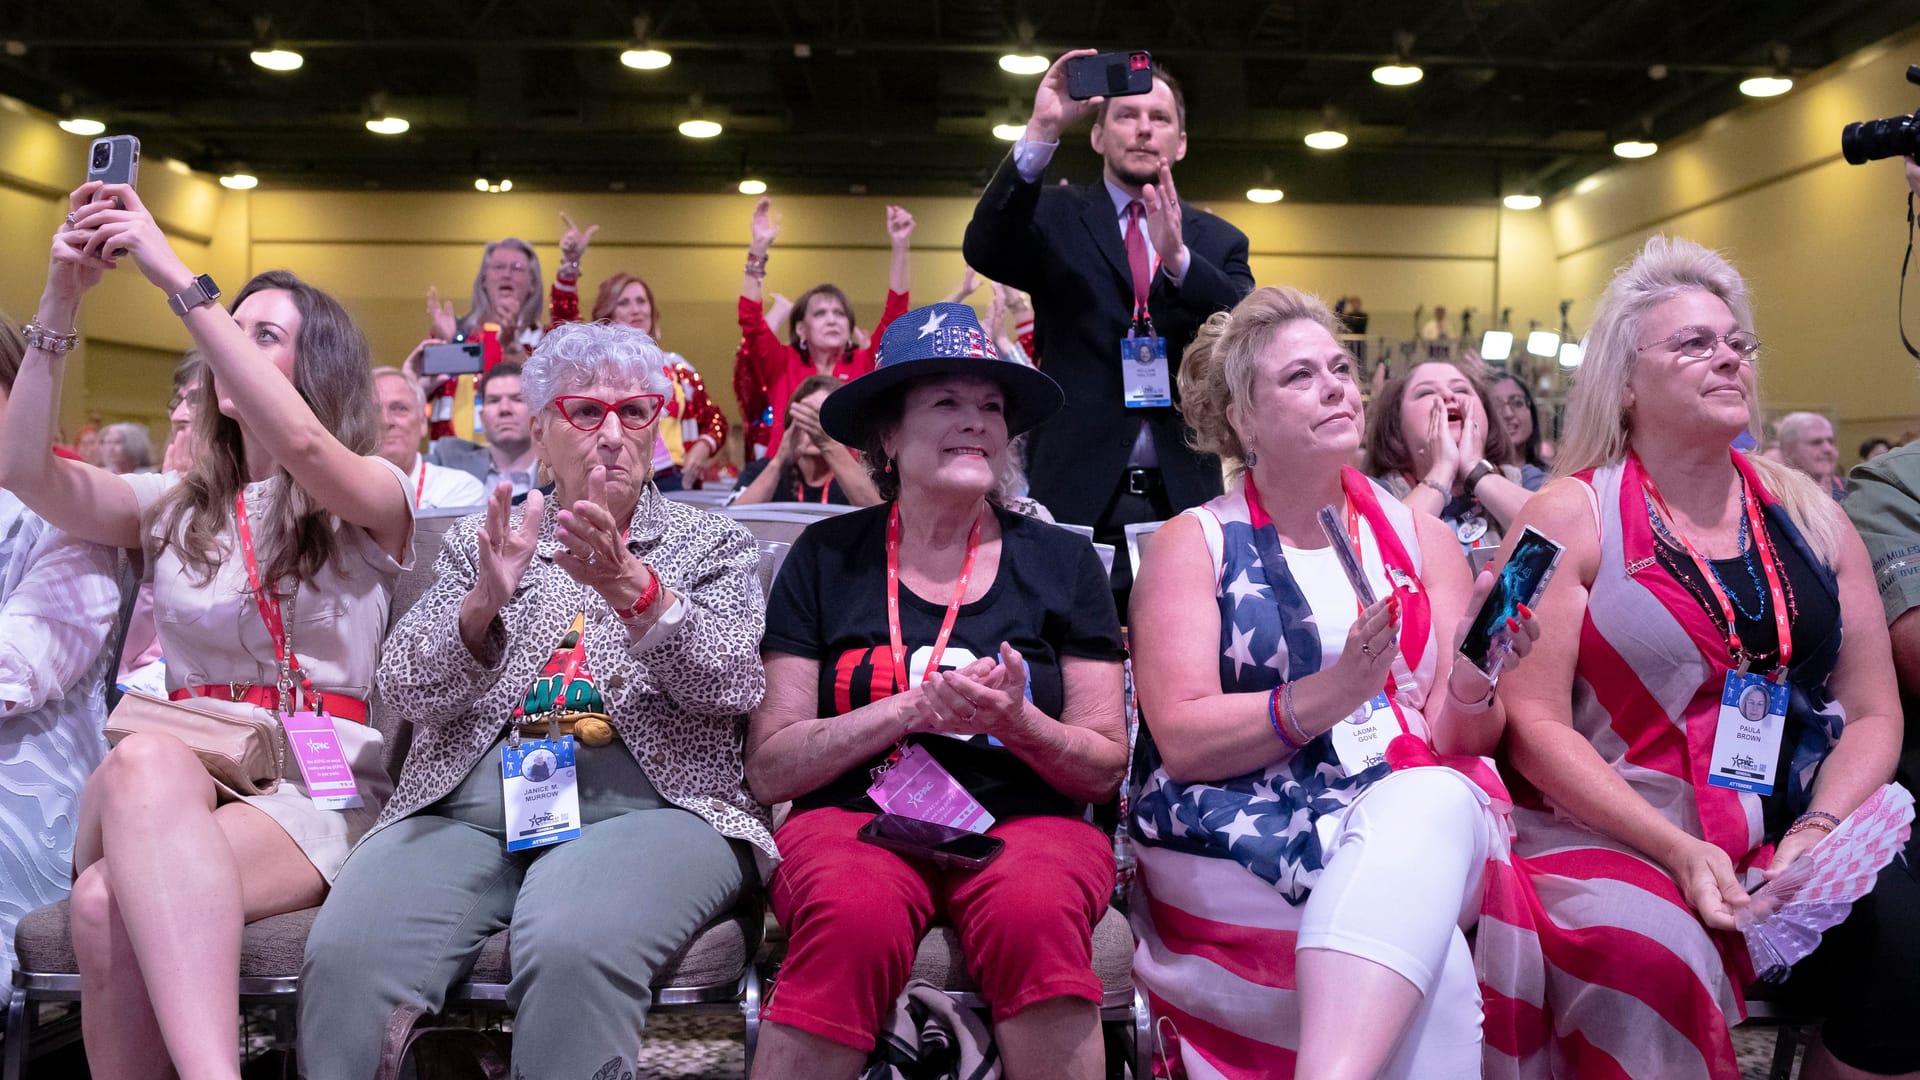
(706, 498)
(779, 526)
(1137, 536)
(429, 533)
(810, 509)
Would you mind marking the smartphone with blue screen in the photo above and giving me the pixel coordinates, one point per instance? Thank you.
(1530, 564)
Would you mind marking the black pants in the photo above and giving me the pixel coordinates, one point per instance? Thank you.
(1139, 497)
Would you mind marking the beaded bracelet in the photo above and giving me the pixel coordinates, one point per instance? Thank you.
(1445, 495)
(1292, 721)
(1273, 716)
(1808, 822)
(1817, 814)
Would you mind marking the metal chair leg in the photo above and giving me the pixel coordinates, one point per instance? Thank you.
(1784, 1046)
(750, 1009)
(18, 1032)
(1142, 1036)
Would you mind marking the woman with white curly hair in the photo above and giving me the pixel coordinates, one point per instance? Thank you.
(577, 679)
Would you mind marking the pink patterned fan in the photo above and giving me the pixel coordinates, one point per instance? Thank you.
(1787, 915)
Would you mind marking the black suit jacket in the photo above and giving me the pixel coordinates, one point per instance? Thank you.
(1062, 244)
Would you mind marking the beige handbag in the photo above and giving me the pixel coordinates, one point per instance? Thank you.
(240, 744)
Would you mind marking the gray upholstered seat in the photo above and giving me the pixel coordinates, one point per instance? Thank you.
(941, 962)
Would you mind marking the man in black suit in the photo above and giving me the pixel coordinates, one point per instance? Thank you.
(1076, 249)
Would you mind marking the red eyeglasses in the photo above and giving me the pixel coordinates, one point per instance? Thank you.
(590, 413)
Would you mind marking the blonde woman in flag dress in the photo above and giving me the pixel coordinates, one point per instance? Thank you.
(1692, 573)
(1304, 881)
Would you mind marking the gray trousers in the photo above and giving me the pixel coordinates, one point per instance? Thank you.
(592, 919)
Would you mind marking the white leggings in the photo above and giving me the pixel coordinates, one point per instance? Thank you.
(1403, 879)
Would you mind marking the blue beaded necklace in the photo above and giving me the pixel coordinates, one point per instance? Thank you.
(1746, 560)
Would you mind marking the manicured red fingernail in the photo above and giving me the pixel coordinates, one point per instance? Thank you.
(1513, 625)
(1526, 611)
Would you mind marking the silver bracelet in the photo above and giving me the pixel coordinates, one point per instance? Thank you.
(39, 337)
(1445, 495)
(1473, 708)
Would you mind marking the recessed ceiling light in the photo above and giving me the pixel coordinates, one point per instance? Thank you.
(1024, 64)
(278, 59)
(1009, 132)
(1398, 74)
(1326, 140)
(80, 125)
(1766, 85)
(646, 59)
(753, 187)
(1522, 202)
(388, 125)
(699, 129)
(240, 181)
(1265, 194)
(492, 187)
(179, 166)
(1634, 148)
(1589, 185)
(480, 184)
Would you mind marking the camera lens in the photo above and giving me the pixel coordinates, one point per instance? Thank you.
(102, 153)
(1873, 140)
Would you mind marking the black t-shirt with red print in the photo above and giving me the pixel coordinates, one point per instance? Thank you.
(1049, 598)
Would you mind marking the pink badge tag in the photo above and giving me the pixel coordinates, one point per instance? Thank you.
(323, 764)
(917, 786)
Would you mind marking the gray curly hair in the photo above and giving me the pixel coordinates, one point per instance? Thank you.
(574, 356)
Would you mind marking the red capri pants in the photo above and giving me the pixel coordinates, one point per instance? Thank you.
(855, 914)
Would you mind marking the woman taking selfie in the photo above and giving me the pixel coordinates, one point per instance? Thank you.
(273, 556)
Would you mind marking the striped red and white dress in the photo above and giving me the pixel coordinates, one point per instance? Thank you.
(1592, 963)
(1225, 868)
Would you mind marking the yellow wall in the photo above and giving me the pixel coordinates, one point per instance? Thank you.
(1818, 240)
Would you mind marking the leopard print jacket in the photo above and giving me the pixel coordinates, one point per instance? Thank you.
(679, 705)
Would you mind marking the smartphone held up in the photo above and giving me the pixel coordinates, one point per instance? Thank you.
(1110, 75)
(1521, 581)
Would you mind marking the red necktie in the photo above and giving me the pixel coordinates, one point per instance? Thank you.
(1137, 259)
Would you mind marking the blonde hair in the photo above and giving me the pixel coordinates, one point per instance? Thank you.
(1598, 424)
(1218, 370)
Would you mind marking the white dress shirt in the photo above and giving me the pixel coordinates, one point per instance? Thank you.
(443, 488)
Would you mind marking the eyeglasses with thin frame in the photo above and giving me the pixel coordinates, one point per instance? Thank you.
(590, 413)
(1698, 343)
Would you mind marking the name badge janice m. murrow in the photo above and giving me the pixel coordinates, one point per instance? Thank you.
(322, 760)
(1144, 372)
(912, 784)
(540, 787)
(1360, 744)
(1746, 744)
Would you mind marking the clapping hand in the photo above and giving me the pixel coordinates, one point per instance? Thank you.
(1053, 108)
(1162, 204)
(573, 242)
(593, 550)
(440, 316)
(506, 548)
(982, 698)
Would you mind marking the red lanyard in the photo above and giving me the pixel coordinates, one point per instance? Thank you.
(800, 490)
(269, 606)
(893, 598)
(1768, 561)
(420, 485)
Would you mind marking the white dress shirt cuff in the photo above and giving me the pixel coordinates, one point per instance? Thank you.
(1186, 260)
(1030, 159)
(667, 625)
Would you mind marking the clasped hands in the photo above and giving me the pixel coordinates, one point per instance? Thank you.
(986, 697)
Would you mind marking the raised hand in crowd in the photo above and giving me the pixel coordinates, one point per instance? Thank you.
(1053, 108)
(506, 549)
(412, 366)
(440, 317)
(1163, 221)
(766, 226)
(969, 283)
(573, 242)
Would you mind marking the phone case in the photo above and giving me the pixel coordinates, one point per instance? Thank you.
(1113, 74)
(870, 833)
(1496, 659)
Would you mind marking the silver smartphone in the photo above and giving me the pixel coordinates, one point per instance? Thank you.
(114, 159)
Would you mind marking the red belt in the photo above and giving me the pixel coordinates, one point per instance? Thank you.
(268, 698)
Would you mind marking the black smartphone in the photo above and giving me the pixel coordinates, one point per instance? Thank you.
(943, 845)
(1110, 75)
(459, 358)
(1530, 564)
(114, 159)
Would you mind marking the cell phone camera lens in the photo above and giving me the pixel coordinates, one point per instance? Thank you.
(101, 155)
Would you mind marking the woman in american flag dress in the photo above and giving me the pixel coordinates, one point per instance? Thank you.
(1305, 881)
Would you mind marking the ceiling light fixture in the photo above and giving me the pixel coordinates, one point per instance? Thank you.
(492, 187)
(753, 187)
(174, 164)
(1398, 74)
(642, 56)
(1571, 354)
(1009, 132)
(1766, 85)
(1024, 64)
(240, 181)
(1327, 139)
(700, 129)
(282, 60)
(1635, 148)
(1521, 202)
(1265, 194)
(81, 125)
(1543, 342)
(1496, 346)
(388, 125)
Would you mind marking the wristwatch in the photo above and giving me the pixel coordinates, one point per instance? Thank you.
(200, 291)
(1478, 473)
